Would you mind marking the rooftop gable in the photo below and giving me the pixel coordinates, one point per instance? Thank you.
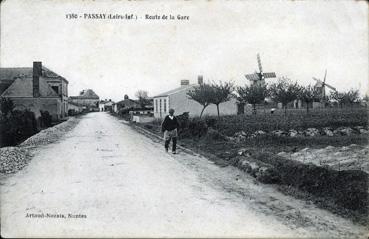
(176, 90)
(23, 87)
(86, 94)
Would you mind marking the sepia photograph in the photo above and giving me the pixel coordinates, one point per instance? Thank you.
(184, 119)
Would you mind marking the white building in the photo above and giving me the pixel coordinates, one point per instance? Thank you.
(180, 102)
(106, 105)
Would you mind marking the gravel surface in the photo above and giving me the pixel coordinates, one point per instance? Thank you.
(13, 159)
(51, 134)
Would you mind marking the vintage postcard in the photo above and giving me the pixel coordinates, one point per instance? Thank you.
(184, 119)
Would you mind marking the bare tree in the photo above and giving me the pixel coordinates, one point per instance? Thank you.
(284, 91)
(142, 97)
(222, 92)
(253, 94)
(309, 94)
(203, 94)
(352, 96)
(339, 97)
(349, 97)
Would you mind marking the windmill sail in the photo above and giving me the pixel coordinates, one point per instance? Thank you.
(252, 77)
(259, 64)
(329, 86)
(260, 76)
(269, 75)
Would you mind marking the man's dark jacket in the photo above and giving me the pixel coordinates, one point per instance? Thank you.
(169, 124)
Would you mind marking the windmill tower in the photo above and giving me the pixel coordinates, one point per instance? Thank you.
(259, 77)
(320, 86)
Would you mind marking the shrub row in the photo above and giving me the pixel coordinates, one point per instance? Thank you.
(19, 125)
(298, 121)
(16, 127)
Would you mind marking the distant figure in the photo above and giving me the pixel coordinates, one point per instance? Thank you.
(170, 128)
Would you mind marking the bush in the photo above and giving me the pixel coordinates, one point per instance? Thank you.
(6, 106)
(197, 127)
(18, 127)
(213, 134)
(294, 120)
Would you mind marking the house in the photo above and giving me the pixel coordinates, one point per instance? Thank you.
(126, 105)
(88, 99)
(106, 105)
(37, 89)
(181, 103)
(74, 108)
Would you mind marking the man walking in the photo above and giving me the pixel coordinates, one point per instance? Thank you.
(169, 127)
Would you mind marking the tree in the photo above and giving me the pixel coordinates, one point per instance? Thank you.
(365, 100)
(6, 106)
(253, 94)
(142, 97)
(339, 97)
(203, 94)
(221, 92)
(309, 94)
(284, 91)
(348, 97)
(352, 96)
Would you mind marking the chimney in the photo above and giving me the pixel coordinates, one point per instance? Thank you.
(37, 72)
(185, 82)
(200, 80)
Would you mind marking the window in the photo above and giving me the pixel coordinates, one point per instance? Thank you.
(156, 105)
(165, 105)
(160, 105)
(56, 89)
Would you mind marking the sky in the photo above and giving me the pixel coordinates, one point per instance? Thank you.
(295, 39)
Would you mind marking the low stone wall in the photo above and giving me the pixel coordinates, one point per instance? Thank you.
(348, 188)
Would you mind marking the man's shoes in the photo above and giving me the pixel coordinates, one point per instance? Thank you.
(174, 152)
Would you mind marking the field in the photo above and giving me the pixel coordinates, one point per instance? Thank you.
(294, 119)
(330, 170)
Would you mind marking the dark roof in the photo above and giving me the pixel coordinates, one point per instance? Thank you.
(125, 101)
(4, 84)
(106, 101)
(10, 73)
(23, 87)
(185, 87)
(86, 94)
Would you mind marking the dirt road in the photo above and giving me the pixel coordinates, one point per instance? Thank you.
(103, 179)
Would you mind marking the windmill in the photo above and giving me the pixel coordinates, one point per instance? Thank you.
(259, 77)
(320, 86)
